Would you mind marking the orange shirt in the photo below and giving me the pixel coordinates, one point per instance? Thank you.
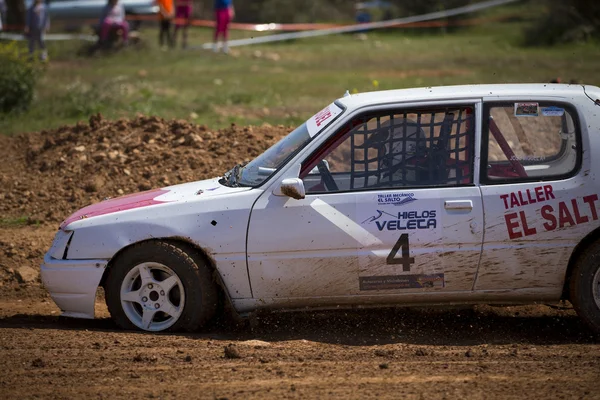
(165, 6)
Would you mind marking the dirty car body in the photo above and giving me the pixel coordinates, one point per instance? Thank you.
(447, 195)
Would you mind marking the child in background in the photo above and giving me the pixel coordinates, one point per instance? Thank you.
(183, 18)
(113, 17)
(36, 25)
(166, 14)
(224, 12)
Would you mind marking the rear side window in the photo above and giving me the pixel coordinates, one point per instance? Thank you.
(529, 141)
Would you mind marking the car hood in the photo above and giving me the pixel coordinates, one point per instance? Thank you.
(183, 192)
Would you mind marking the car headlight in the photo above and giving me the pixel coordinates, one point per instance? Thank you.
(60, 244)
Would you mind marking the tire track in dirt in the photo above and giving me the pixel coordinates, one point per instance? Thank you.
(483, 352)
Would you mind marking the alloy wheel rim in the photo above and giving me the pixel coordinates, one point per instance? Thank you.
(152, 296)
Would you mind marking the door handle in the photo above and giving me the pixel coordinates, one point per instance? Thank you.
(458, 205)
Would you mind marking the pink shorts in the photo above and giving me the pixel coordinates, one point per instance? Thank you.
(223, 17)
(183, 12)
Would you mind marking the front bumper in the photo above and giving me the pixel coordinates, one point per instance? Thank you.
(72, 284)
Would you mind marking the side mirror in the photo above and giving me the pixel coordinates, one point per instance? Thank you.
(291, 187)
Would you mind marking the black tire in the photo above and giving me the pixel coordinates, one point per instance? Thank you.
(200, 297)
(584, 277)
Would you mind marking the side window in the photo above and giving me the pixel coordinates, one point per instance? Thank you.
(396, 149)
(529, 141)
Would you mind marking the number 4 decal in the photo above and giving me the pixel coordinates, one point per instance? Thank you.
(406, 260)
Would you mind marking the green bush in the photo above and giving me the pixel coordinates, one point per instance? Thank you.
(18, 77)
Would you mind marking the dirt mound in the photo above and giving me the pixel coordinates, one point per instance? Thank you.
(48, 175)
(21, 253)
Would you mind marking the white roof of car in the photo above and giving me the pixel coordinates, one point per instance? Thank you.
(461, 92)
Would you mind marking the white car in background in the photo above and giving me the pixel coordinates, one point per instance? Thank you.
(77, 13)
(460, 195)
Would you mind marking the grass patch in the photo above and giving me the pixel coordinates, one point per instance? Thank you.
(285, 83)
(14, 222)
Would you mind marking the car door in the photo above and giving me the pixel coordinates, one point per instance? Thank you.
(390, 209)
(537, 207)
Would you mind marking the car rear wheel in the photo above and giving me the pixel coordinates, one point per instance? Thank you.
(157, 286)
(585, 287)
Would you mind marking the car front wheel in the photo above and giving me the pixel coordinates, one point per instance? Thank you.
(157, 286)
(585, 287)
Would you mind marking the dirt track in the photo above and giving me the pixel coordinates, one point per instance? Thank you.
(482, 352)
(532, 352)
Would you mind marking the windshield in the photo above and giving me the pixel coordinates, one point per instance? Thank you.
(268, 162)
(265, 165)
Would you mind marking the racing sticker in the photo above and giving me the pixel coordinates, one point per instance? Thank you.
(390, 282)
(526, 109)
(402, 220)
(395, 199)
(553, 111)
(322, 118)
(572, 212)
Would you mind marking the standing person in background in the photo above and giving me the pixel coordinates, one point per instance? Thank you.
(224, 13)
(183, 18)
(2, 13)
(113, 17)
(37, 24)
(166, 14)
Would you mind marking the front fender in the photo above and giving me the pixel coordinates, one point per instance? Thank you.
(219, 230)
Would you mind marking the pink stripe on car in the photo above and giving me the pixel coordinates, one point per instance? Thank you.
(128, 202)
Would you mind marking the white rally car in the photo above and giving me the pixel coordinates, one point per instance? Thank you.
(447, 195)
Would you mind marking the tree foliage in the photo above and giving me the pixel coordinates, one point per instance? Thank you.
(565, 21)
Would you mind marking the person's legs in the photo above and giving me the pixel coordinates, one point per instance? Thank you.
(161, 33)
(187, 15)
(182, 16)
(216, 33)
(31, 41)
(222, 17)
(175, 33)
(169, 33)
(177, 23)
(125, 28)
(227, 20)
(42, 44)
(165, 33)
(185, 29)
(104, 31)
(184, 36)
